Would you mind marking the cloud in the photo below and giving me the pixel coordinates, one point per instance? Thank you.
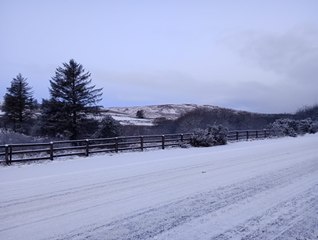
(289, 59)
(293, 54)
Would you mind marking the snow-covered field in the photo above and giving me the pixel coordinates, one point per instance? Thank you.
(266, 189)
(124, 120)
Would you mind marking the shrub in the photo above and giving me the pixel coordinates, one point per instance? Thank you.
(108, 128)
(292, 128)
(8, 136)
(140, 114)
(285, 127)
(308, 126)
(314, 127)
(213, 135)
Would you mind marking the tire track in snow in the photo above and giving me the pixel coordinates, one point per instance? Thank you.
(154, 221)
(305, 228)
(87, 192)
(92, 190)
(280, 221)
(95, 186)
(120, 181)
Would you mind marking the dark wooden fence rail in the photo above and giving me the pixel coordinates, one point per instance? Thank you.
(48, 151)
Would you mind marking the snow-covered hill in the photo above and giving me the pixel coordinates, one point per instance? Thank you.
(127, 115)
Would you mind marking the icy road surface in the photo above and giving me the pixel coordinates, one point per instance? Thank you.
(266, 189)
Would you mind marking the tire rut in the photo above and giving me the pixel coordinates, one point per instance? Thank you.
(151, 222)
(280, 221)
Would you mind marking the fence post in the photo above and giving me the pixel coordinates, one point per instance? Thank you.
(141, 143)
(163, 141)
(116, 144)
(237, 135)
(51, 151)
(247, 135)
(181, 137)
(256, 134)
(265, 133)
(7, 154)
(87, 148)
(10, 153)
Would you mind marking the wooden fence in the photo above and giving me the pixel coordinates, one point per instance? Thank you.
(49, 151)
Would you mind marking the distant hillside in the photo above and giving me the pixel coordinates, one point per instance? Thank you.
(168, 111)
(183, 117)
(127, 115)
(178, 118)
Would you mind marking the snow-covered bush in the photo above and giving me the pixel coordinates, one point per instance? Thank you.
(307, 126)
(292, 128)
(213, 135)
(314, 127)
(285, 127)
(8, 136)
(201, 138)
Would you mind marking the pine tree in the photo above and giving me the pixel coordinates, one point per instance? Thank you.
(108, 127)
(72, 97)
(54, 120)
(18, 103)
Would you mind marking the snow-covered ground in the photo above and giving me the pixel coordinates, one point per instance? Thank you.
(266, 189)
(124, 120)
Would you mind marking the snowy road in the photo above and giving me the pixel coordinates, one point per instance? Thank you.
(265, 189)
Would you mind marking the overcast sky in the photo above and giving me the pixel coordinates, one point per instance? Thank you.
(255, 55)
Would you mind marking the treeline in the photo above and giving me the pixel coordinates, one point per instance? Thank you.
(233, 120)
(72, 112)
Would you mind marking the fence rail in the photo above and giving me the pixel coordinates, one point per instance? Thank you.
(10, 153)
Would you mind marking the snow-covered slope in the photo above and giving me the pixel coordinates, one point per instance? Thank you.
(265, 189)
(168, 111)
(127, 115)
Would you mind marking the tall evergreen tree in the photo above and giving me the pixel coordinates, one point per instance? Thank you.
(18, 103)
(72, 97)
